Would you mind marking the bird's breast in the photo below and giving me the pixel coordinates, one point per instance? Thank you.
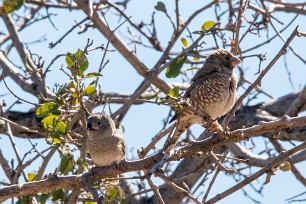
(213, 96)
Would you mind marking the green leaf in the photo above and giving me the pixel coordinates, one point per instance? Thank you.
(43, 198)
(77, 62)
(174, 92)
(93, 82)
(150, 96)
(9, 6)
(121, 194)
(83, 163)
(173, 70)
(53, 140)
(111, 193)
(160, 6)
(93, 74)
(184, 42)
(46, 109)
(67, 163)
(61, 127)
(81, 61)
(51, 123)
(114, 194)
(208, 25)
(31, 176)
(58, 195)
(89, 90)
(69, 59)
(23, 200)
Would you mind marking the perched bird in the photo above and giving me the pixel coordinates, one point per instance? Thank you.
(105, 144)
(212, 91)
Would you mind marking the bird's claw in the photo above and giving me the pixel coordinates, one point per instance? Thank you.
(214, 126)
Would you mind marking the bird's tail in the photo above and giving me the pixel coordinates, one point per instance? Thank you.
(171, 142)
(173, 118)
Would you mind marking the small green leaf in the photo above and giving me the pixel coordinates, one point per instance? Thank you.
(77, 62)
(69, 59)
(93, 82)
(23, 200)
(160, 6)
(173, 70)
(150, 96)
(111, 193)
(53, 140)
(72, 85)
(81, 61)
(31, 176)
(46, 109)
(174, 92)
(89, 90)
(121, 194)
(83, 163)
(58, 195)
(67, 163)
(208, 25)
(43, 198)
(93, 74)
(61, 127)
(51, 123)
(184, 42)
(9, 6)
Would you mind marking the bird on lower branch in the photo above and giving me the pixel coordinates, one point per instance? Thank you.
(104, 143)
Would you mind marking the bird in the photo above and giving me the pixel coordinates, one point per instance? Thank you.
(212, 91)
(105, 143)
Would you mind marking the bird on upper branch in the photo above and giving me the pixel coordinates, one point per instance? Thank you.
(212, 91)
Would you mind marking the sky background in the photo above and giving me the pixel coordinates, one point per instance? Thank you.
(144, 121)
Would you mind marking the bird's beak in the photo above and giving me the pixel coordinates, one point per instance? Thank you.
(89, 126)
(236, 61)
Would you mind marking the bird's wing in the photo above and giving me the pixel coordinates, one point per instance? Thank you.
(121, 142)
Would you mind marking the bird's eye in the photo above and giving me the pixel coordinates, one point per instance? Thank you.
(99, 123)
(227, 58)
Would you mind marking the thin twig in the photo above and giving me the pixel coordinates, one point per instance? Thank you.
(275, 162)
(156, 191)
(177, 188)
(144, 151)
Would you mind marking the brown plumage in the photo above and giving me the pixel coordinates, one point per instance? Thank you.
(212, 91)
(104, 143)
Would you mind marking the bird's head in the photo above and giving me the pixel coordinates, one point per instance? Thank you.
(224, 60)
(100, 123)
